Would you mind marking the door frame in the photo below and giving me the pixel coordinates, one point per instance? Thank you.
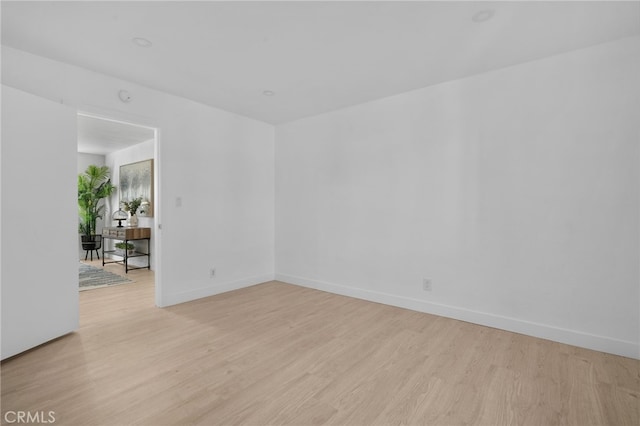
(151, 124)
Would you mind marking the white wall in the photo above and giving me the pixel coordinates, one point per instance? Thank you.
(84, 161)
(220, 165)
(515, 191)
(133, 154)
(39, 262)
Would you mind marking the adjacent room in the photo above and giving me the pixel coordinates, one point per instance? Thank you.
(116, 202)
(347, 213)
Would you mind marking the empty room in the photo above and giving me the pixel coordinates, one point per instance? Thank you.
(356, 213)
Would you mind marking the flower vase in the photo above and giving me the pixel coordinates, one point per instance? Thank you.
(133, 221)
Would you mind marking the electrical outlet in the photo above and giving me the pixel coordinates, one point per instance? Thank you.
(426, 284)
(212, 272)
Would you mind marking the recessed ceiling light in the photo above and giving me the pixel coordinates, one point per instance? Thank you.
(268, 92)
(142, 42)
(483, 15)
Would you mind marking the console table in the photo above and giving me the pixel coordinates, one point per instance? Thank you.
(125, 235)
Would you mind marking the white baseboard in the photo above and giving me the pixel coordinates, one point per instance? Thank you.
(556, 334)
(187, 296)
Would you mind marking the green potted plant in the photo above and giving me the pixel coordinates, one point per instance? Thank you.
(93, 186)
(129, 247)
(132, 207)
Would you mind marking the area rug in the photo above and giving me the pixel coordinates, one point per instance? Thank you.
(92, 277)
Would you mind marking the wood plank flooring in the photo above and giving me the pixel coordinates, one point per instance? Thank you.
(276, 354)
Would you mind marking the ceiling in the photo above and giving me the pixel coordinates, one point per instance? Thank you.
(100, 136)
(313, 56)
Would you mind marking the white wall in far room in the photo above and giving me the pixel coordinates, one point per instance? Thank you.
(85, 160)
(515, 191)
(133, 154)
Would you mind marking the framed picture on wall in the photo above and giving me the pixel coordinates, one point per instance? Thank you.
(136, 180)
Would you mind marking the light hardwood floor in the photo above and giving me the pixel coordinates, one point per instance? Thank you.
(280, 354)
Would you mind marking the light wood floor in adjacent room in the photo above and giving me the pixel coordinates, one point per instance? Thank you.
(277, 354)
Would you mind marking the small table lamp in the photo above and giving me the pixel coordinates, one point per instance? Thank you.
(119, 215)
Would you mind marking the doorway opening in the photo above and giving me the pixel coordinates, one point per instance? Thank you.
(119, 160)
